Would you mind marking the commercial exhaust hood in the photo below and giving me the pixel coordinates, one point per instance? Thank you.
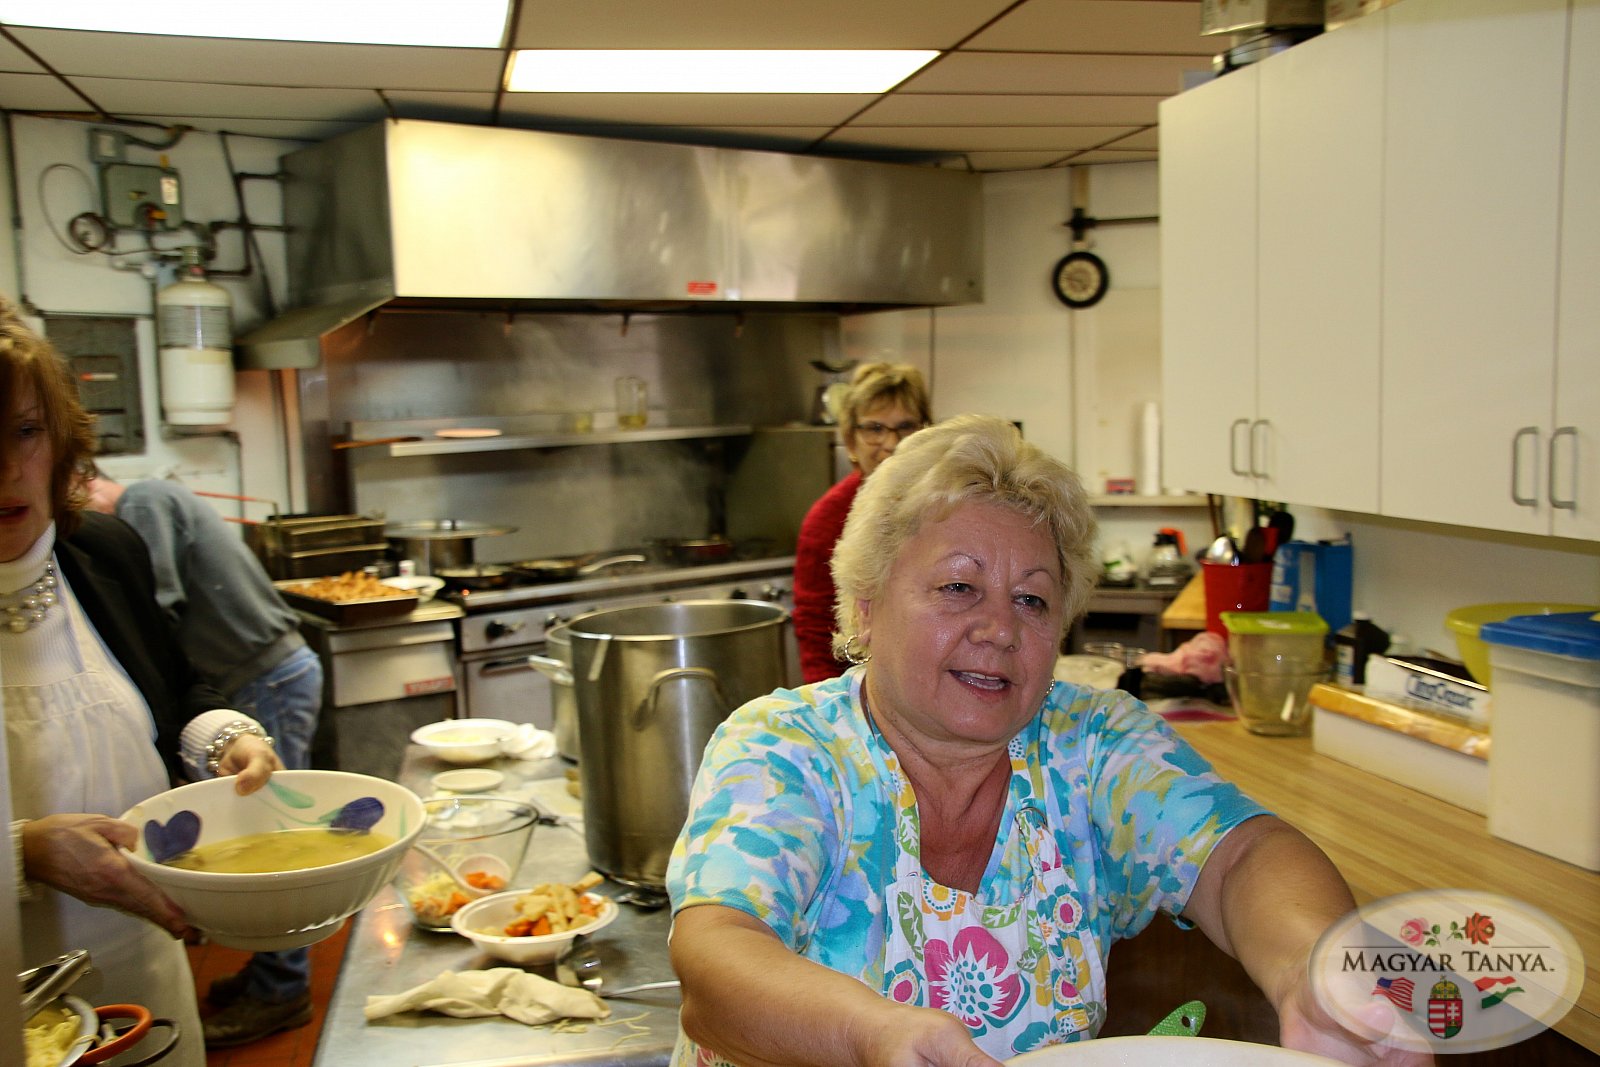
(444, 216)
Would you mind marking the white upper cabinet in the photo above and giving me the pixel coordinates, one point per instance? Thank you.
(1321, 210)
(1208, 284)
(1572, 486)
(1471, 212)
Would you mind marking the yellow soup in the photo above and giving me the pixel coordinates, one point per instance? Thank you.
(464, 736)
(280, 850)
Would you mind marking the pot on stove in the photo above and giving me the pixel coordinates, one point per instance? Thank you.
(437, 543)
(652, 682)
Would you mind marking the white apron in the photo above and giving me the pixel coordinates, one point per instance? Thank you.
(80, 739)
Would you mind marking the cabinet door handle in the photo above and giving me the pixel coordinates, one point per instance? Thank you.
(1233, 447)
(1255, 426)
(1516, 454)
(1571, 502)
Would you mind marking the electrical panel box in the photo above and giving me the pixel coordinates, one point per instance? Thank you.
(141, 197)
(104, 356)
(107, 146)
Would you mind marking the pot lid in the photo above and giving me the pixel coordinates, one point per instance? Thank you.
(444, 529)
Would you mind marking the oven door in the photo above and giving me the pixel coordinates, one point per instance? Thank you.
(500, 684)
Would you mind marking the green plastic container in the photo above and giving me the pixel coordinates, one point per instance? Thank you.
(1276, 642)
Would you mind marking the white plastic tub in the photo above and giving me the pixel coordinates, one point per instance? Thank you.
(1544, 762)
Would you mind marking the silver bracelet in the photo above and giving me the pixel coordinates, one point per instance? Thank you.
(226, 736)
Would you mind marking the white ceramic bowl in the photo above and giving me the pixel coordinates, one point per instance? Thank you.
(464, 740)
(424, 585)
(494, 912)
(286, 909)
(1166, 1052)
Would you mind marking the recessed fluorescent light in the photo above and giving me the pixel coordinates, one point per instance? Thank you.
(463, 24)
(552, 70)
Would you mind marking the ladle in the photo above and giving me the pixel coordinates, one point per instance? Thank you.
(1222, 550)
(580, 968)
(490, 865)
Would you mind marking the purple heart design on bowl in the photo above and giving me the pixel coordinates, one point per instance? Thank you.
(362, 813)
(175, 838)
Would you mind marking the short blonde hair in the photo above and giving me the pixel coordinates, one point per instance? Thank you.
(880, 384)
(967, 459)
(27, 358)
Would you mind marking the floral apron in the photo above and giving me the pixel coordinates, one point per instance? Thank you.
(1023, 972)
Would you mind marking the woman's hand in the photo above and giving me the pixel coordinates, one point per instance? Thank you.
(920, 1037)
(1304, 1025)
(81, 855)
(252, 760)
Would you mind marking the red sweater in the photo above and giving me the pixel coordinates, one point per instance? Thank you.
(813, 582)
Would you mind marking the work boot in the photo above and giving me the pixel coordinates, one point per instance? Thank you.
(248, 1019)
(224, 991)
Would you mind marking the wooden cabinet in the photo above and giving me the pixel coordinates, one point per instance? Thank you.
(1572, 488)
(1472, 197)
(1208, 284)
(1319, 373)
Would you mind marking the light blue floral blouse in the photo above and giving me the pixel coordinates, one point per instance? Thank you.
(800, 818)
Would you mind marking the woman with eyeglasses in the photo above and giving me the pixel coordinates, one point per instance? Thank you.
(887, 403)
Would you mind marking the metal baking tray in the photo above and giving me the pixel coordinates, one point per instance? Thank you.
(347, 612)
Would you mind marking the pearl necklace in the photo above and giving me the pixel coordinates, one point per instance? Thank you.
(35, 602)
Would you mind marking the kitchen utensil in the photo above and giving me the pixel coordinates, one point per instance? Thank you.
(1184, 1021)
(100, 1039)
(485, 864)
(476, 576)
(497, 911)
(652, 683)
(44, 983)
(581, 969)
(692, 549)
(438, 543)
(1222, 550)
(557, 570)
(1255, 546)
(464, 741)
(281, 909)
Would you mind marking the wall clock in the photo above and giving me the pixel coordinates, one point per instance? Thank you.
(1080, 279)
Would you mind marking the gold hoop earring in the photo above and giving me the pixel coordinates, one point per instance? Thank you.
(854, 651)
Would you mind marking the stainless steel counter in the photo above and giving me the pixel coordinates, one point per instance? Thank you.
(388, 954)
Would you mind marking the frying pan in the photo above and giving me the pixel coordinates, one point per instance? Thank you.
(693, 550)
(559, 570)
(476, 576)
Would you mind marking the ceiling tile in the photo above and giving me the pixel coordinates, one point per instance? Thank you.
(37, 92)
(1001, 161)
(690, 109)
(1146, 140)
(1150, 27)
(1000, 72)
(289, 63)
(770, 138)
(1110, 155)
(308, 130)
(980, 138)
(743, 24)
(121, 96)
(941, 109)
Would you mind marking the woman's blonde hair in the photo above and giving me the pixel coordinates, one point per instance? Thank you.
(967, 459)
(879, 385)
(28, 359)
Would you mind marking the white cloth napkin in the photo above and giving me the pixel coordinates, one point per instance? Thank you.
(529, 743)
(507, 991)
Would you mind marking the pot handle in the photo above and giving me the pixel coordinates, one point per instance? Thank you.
(557, 671)
(125, 1038)
(704, 674)
(602, 646)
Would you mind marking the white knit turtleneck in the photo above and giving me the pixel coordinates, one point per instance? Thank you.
(46, 652)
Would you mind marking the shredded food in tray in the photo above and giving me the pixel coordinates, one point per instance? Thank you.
(553, 908)
(351, 585)
(48, 1036)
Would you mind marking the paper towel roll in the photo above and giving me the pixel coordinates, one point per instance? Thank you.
(1150, 449)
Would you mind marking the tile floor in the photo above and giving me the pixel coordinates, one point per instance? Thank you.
(292, 1048)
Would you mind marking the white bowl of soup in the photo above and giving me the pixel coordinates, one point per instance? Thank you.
(282, 867)
(464, 740)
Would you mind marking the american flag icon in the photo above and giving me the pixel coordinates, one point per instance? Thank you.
(1398, 990)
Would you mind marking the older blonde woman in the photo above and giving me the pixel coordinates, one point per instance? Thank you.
(929, 858)
(886, 403)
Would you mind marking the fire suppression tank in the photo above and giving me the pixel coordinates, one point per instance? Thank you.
(194, 339)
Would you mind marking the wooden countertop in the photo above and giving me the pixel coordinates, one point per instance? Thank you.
(1387, 839)
(1188, 609)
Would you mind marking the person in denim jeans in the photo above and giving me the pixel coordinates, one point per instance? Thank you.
(245, 641)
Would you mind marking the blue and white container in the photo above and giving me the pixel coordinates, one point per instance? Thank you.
(1544, 756)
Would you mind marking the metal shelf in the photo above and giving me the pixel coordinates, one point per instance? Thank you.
(1130, 500)
(516, 442)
